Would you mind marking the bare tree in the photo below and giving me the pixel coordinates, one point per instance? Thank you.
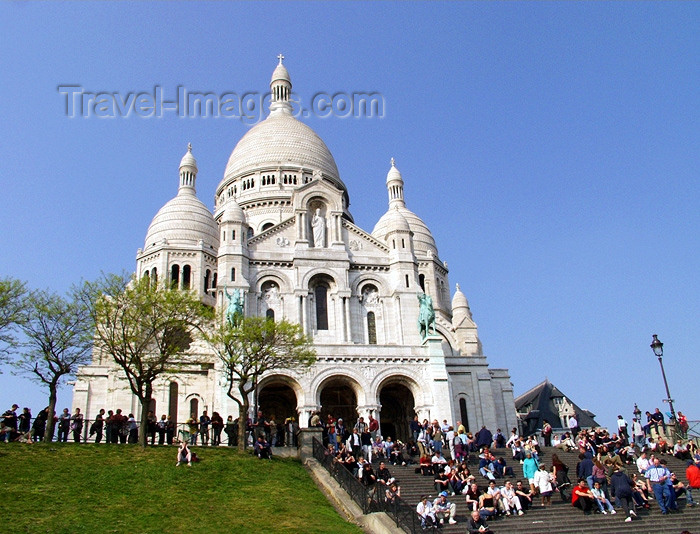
(253, 347)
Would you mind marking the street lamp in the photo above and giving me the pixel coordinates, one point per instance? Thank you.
(658, 349)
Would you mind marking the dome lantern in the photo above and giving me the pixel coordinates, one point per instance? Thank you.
(280, 88)
(188, 172)
(394, 185)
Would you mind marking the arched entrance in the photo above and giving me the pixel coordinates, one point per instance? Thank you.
(338, 399)
(397, 411)
(278, 401)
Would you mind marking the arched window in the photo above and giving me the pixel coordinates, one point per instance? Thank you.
(267, 225)
(233, 235)
(175, 276)
(154, 276)
(172, 401)
(421, 281)
(194, 407)
(213, 283)
(250, 233)
(270, 314)
(207, 279)
(147, 278)
(407, 281)
(233, 274)
(186, 276)
(321, 297)
(371, 328)
(463, 413)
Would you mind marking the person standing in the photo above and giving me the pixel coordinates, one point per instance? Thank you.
(169, 430)
(160, 428)
(98, 425)
(25, 419)
(63, 425)
(573, 426)
(109, 427)
(547, 434)
(204, 422)
(39, 425)
(622, 429)
(133, 427)
(373, 427)
(659, 477)
(692, 474)
(217, 425)
(637, 433)
(230, 431)
(77, 425)
(622, 489)
(151, 426)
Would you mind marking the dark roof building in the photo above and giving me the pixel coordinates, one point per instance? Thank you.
(545, 402)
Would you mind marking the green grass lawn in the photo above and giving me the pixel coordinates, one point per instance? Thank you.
(121, 488)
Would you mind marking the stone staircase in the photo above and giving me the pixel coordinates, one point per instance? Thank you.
(561, 517)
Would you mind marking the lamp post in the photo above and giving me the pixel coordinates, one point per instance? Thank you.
(658, 349)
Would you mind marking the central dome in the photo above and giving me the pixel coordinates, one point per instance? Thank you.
(281, 140)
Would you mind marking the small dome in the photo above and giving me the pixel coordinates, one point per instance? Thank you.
(392, 221)
(184, 220)
(394, 174)
(459, 300)
(280, 73)
(232, 212)
(188, 159)
(423, 240)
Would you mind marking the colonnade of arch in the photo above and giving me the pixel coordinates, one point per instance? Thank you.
(393, 402)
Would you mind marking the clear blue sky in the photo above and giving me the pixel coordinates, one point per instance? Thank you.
(552, 148)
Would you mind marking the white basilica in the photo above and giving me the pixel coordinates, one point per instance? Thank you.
(283, 235)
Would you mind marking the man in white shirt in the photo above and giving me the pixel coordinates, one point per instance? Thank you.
(573, 425)
(426, 512)
(510, 499)
(622, 428)
(637, 433)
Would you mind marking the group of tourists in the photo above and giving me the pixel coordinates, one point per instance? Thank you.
(113, 426)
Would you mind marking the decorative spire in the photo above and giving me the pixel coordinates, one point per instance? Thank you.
(394, 185)
(188, 172)
(280, 88)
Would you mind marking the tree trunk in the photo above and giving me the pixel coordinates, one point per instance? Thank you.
(243, 409)
(145, 405)
(48, 433)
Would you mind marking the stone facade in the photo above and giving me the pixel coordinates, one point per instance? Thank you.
(283, 235)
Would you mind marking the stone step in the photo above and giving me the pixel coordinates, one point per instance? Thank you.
(561, 517)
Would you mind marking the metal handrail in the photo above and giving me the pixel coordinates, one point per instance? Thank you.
(374, 500)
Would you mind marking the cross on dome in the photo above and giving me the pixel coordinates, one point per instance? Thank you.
(280, 57)
(393, 162)
(189, 147)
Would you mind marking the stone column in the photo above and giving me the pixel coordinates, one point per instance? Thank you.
(304, 321)
(348, 333)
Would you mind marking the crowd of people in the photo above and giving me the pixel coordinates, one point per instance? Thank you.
(517, 476)
(625, 470)
(113, 426)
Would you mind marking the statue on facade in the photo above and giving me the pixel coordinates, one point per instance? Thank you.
(426, 315)
(318, 224)
(234, 311)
